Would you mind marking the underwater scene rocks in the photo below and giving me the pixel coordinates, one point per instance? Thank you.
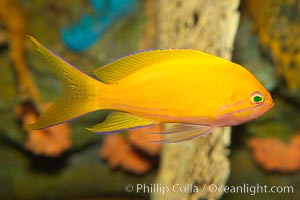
(58, 162)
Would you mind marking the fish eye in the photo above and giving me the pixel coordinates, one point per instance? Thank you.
(257, 98)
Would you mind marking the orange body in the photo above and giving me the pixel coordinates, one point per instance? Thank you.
(182, 86)
(187, 91)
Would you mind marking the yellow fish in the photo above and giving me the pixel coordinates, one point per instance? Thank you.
(196, 91)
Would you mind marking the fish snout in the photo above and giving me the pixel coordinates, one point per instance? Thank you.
(268, 106)
(271, 105)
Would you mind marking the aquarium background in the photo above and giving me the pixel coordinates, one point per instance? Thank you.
(69, 162)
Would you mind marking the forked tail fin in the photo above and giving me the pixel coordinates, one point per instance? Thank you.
(80, 93)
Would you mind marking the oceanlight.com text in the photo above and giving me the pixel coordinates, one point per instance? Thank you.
(213, 188)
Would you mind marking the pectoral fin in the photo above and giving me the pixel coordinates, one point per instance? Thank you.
(184, 132)
(120, 121)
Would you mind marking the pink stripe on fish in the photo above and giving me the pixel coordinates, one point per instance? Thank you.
(227, 106)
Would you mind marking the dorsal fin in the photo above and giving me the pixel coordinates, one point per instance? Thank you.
(117, 70)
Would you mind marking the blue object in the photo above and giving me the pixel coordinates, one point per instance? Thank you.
(99, 5)
(91, 27)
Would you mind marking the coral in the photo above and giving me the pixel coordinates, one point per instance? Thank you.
(119, 152)
(52, 141)
(134, 153)
(275, 155)
(278, 26)
(13, 17)
(142, 140)
(3, 37)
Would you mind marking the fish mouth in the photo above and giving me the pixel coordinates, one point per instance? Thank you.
(268, 107)
(271, 105)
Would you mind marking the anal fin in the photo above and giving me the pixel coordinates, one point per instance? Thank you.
(120, 121)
